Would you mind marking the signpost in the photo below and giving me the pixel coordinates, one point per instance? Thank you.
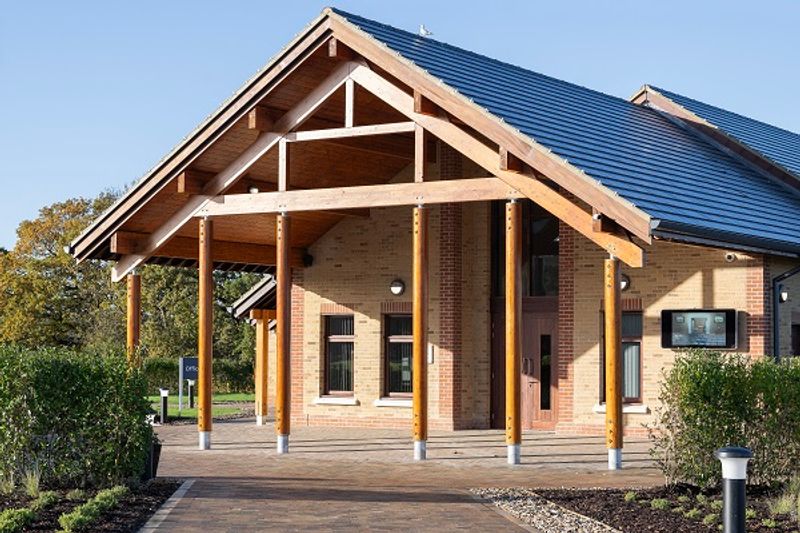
(187, 370)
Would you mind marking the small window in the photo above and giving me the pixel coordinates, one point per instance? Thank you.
(339, 342)
(399, 342)
(631, 358)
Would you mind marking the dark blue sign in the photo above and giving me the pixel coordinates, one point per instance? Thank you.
(189, 367)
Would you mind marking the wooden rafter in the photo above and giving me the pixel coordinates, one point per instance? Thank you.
(290, 120)
(336, 198)
(128, 242)
(536, 156)
(486, 157)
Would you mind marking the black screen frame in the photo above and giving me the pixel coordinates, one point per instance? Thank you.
(731, 328)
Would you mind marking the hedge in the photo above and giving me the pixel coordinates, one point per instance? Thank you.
(712, 399)
(228, 375)
(79, 418)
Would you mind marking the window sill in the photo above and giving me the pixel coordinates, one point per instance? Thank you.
(393, 402)
(627, 409)
(336, 400)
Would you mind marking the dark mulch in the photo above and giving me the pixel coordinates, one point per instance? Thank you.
(609, 506)
(131, 514)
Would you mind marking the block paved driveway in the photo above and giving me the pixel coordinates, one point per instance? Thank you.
(343, 479)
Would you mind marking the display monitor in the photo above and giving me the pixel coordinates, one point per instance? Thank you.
(698, 328)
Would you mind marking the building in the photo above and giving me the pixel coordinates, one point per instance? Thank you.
(410, 196)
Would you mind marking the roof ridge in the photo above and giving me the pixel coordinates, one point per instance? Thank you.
(349, 16)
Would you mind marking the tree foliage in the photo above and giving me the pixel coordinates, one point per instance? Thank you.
(47, 299)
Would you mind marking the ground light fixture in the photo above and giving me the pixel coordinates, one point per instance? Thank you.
(397, 287)
(624, 282)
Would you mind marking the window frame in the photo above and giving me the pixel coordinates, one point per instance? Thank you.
(624, 340)
(327, 340)
(387, 340)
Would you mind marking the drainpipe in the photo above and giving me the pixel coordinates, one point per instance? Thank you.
(776, 302)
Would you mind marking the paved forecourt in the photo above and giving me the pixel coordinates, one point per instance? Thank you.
(344, 479)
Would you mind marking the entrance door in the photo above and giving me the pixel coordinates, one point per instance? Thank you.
(539, 367)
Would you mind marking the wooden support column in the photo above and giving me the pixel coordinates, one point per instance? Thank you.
(419, 371)
(205, 331)
(262, 358)
(612, 311)
(283, 317)
(134, 317)
(513, 329)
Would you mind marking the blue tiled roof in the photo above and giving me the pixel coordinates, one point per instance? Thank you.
(779, 145)
(664, 169)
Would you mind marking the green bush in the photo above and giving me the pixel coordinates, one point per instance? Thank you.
(45, 500)
(78, 417)
(13, 520)
(84, 515)
(711, 399)
(228, 375)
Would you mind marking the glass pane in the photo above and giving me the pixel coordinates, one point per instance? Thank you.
(340, 325)
(546, 368)
(399, 325)
(399, 367)
(545, 275)
(340, 366)
(631, 351)
(632, 325)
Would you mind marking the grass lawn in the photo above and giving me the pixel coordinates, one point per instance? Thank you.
(218, 408)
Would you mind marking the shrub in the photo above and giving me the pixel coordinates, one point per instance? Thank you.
(659, 503)
(710, 399)
(630, 496)
(79, 417)
(76, 495)
(7, 483)
(228, 375)
(32, 481)
(693, 513)
(84, 515)
(13, 520)
(710, 518)
(45, 500)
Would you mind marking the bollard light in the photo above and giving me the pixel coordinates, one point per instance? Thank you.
(164, 404)
(191, 393)
(734, 478)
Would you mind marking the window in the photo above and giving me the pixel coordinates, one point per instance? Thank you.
(631, 358)
(399, 342)
(339, 331)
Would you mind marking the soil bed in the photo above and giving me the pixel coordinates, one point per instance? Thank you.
(131, 513)
(609, 506)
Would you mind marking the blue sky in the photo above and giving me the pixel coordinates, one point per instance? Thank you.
(94, 93)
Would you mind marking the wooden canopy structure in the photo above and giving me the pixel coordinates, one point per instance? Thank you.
(318, 135)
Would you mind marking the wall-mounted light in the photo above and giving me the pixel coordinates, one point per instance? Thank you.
(783, 293)
(397, 287)
(252, 189)
(624, 282)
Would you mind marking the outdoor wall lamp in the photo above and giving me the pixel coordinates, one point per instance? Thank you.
(252, 189)
(783, 293)
(624, 282)
(397, 287)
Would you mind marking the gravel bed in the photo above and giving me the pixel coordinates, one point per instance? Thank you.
(545, 516)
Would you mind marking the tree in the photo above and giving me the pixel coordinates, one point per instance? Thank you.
(49, 300)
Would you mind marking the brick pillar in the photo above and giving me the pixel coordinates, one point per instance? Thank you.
(450, 296)
(296, 347)
(759, 306)
(566, 318)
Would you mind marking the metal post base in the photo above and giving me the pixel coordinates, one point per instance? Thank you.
(614, 458)
(283, 444)
(261, 420)
(513, 454)
(205, 440)
(420, 450)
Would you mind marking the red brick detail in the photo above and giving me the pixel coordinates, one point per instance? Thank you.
(336, 309)
(450, 296)
(390, 308)
(566, 317)
(759, 309)
(296, 345)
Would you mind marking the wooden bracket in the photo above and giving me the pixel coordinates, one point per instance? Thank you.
(602, 223)
(192, 181)
(509, 161)
(259, 119)
(424, 105)
(340, 51)
(262, 314)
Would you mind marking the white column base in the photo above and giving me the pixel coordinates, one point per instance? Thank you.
(205, 440)
(513, 454)
(261, 420)
(282, 445)
(614, 458)
(420, 450)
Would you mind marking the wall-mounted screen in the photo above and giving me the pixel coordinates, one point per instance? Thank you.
(698, 328)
